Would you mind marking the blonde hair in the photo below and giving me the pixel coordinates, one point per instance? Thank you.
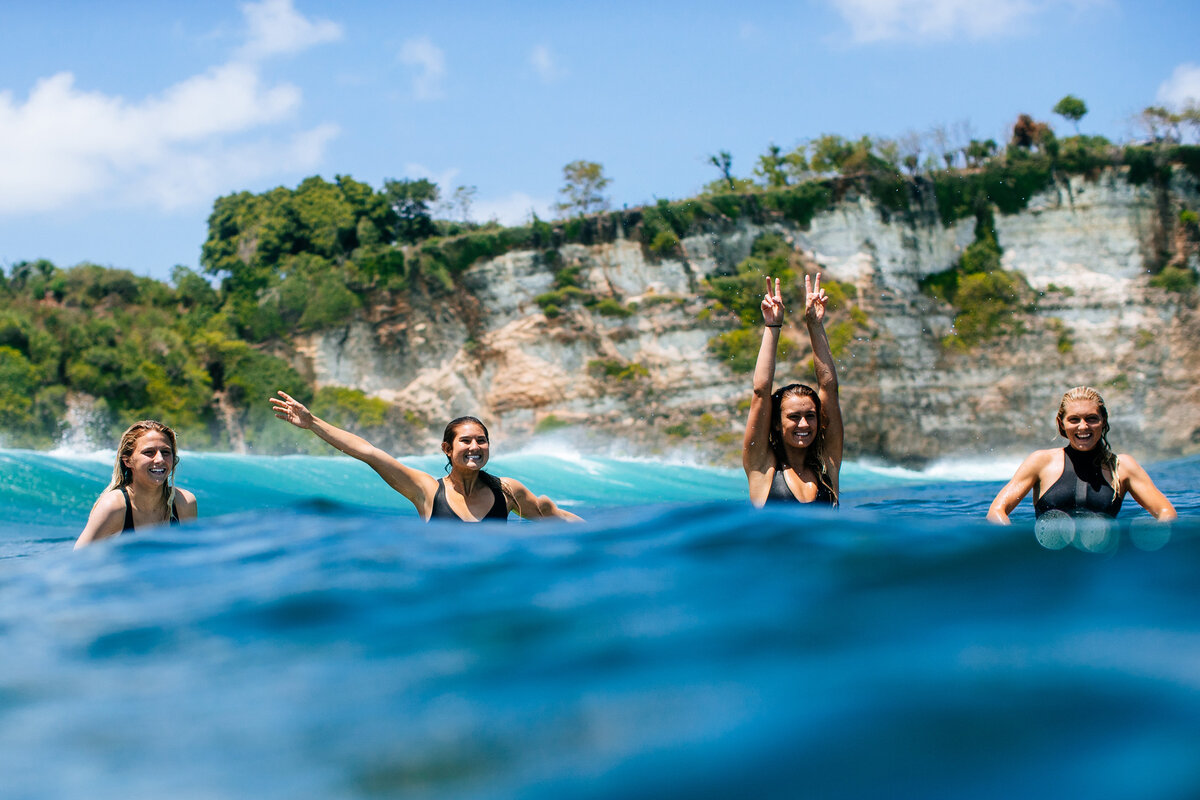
(122, 476)
(1107, 457)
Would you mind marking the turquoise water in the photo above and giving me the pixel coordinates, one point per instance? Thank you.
(310, 638)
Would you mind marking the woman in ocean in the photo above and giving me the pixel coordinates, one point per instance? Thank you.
(792, 451)
(142, 492)
(1085, 477)
(467, 493)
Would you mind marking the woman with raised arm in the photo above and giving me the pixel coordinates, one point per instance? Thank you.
(467, 493)
(1086, 476)
(142, 492)
(792, 451)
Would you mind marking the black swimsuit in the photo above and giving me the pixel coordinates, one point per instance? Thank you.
(1080, 488)
(129, 513)
(442, 509)
(782, 493)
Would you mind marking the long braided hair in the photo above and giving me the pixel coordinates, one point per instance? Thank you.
(814, 456)
(1105, 456)
(489, 480)
(122, 476)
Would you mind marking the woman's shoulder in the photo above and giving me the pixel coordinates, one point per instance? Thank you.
(111, 500)
(185, 499)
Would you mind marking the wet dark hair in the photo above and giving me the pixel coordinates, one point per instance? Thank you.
(814, 455)
(489, 480)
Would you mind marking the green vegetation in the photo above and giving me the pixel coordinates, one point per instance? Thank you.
(550, 423)
(986, 297)
(205, 345)
(741, 293)
(1175, 278)
(136, 346)
(617, 370)
(583, 184)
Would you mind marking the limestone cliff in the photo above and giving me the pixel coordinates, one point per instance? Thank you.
(648, 381)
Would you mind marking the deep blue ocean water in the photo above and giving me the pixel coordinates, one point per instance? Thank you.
(309, 637)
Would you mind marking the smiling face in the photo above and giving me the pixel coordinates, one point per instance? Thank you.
(1082, 424)
(468, 448)
(151, 461)
(798, 422)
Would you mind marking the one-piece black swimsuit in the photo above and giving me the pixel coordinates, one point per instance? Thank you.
(1080, 489)
(129, 513)
(782, 493)
(442, 509)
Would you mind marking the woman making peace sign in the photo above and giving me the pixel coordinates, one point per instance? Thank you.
(792, 450)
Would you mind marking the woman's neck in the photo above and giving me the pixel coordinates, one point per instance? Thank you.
(465, 482)
(145, 497)
(794, 456)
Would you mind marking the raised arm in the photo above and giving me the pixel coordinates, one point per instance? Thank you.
(419, 487)
(1142, 489)
(756, 452)
(530, 506)
(815, 300)
(1015, 490)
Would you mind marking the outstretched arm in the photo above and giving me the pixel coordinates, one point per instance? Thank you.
(1142, 489)
(414, 484)
(1015, 490)
(756, 452)
(530, 506)
(815, 300)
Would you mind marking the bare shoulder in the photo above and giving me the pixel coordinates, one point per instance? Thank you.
(110, 502)
(185, 501)
(1038, 460)
(1128, 465)
(516, 487)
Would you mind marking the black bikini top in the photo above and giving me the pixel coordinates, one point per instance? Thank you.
(174, 520)
(1080, 488)
(442, 509)
(782, 493)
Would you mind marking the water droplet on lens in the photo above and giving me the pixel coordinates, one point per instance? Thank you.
(1149, 534)
(1054, 530)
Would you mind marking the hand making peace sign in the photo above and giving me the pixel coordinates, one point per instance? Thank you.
(772, 305)
(814, 299)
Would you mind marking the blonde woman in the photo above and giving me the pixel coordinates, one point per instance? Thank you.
(142, 492)
(1085, 477)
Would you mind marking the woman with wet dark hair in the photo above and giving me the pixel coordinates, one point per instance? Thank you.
(792, 451)
(467, 493)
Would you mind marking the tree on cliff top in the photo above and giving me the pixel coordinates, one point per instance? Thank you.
(1072, 108)
(410, 200)
(583, 183)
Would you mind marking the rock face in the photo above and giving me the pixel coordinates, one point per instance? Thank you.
(649, 382)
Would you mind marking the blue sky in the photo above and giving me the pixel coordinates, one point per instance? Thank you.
(121, 122)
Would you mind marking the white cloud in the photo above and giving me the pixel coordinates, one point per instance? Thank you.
(66, 145)
(444, 179)
(206, 173)
(545, 64)
(1182, 88)
(939, 20)
(747, 31)
(276, 28)
(513, 209)
(430, 63)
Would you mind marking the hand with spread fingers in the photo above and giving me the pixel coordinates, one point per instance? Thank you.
(815, 299)
(292, 410)
(772, 305)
